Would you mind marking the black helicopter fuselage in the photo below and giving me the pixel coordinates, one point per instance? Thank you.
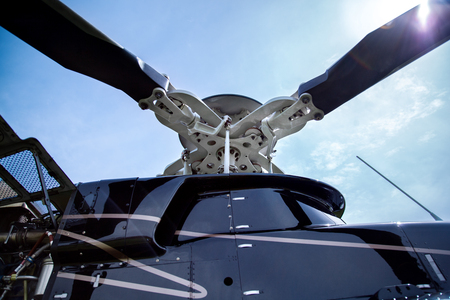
(234, 236)
(222, 236)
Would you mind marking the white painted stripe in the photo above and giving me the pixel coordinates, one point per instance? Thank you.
(238, 198)
(242, 226)
(125, 284)
(113, 216)
(432, 251)
(435, 267)
(253, 292)
(199, 234)
(145, 218)
(119, 255)
(312, 242)
(323, 243)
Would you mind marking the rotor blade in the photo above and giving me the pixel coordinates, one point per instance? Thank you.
(62, 35)
(380, 54)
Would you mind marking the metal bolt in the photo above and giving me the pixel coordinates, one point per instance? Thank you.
(318, 116)
(143, 105)
(82, 266)
(84, 232)
(158, 95)
(306, 99)
(157, 260)
(178, 258)
(81, 253)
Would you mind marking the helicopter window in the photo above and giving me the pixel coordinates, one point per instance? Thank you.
(266, 209)
(272, 209)
(208, 214)
(318, 217)
(336, 220)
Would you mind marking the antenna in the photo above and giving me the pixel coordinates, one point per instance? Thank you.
(435, 217)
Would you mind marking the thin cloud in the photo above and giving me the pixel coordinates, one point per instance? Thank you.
(393, 151)
(427, 136)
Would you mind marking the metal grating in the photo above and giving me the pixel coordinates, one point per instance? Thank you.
(6, 192)
(22, 167)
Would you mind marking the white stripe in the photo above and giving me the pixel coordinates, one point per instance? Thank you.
(242, 226)
(323, 243)
(312, 242)
(433, 251)
(113, 216)
(435, 267)
(239, 198)
(119, 255)
(125, 284)
(145, 218)
(245, 246)
(199, 234)
(253, 292)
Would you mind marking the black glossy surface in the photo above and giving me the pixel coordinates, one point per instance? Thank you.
(291, 248)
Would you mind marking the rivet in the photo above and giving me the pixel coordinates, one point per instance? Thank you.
(157, 260)
(178, 258)
(82, 266)
(84, 232)
(81, 253)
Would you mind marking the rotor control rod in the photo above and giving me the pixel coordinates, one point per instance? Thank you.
(226, 163)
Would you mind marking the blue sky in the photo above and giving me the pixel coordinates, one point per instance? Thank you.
(260, 49)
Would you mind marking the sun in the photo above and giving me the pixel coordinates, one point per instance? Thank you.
(362, 17)
(424, 11)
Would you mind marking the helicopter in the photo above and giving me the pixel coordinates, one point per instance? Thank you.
(234, 284)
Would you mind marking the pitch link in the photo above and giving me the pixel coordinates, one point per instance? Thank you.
(176, 111)
(289, 120)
